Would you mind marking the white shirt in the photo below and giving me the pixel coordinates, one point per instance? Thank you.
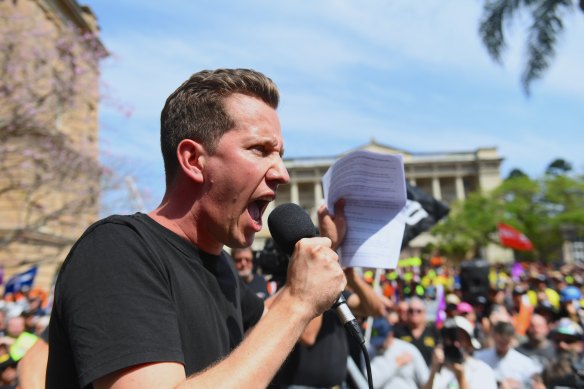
(386, 374)
(477, 374)
(513, 365)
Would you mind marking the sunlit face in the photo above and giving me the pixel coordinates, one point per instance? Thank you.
(242, 176)
(243, 261)
(538, 328)
(416, 313)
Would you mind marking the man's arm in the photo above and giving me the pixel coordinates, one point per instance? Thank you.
(315, 280)
(364, 302)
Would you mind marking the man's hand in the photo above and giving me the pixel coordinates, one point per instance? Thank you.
(315, 278)
(335, 227)
(437, 359)
(403, 359)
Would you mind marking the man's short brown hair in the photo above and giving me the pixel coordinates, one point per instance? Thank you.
(196, 109)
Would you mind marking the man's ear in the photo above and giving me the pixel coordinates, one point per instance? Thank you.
(191, 159)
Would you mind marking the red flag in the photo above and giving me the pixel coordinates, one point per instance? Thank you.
(514, 239)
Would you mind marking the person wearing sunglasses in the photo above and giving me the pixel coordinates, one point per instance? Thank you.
(417, 330)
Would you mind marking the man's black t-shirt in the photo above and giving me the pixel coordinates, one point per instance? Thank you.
(425, 343)
(132, 292)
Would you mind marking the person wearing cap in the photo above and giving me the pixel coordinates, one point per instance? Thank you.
(512, 369)
(453, 364)
(567, 368)
(570, 303)
(467, 311)
(398, 364)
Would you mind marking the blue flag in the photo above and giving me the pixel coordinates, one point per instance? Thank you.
(20, 281)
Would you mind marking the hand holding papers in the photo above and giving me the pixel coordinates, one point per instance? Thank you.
(373, 186)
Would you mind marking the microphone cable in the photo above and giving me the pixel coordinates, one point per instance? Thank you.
(352, 327)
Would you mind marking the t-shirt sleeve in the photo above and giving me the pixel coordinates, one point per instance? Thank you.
(115, 304)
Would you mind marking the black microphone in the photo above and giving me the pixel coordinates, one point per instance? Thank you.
(288, 223)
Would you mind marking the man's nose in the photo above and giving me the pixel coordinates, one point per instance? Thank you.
(278, 172)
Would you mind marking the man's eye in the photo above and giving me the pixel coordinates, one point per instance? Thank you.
(260, 149)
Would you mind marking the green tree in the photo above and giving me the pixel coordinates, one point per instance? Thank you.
(558, 166)
(468, 227)
(545, 28)
(516, 173)
(543, 209)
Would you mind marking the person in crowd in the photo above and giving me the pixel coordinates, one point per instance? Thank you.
(538, 346)
(3, 320)
(15, 326)
(243, 258)
(418, 331)
(401, 309)
(8, 373)
(467, 311)
(152, 300)
(319, 359)
(512, 369)
(452, 302)
(570, 303)
(453, 364)
(398, 364)
(567, 368)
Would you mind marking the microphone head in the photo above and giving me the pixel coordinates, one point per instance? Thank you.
(288, 223)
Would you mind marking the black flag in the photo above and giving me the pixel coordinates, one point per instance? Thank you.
(423, 212)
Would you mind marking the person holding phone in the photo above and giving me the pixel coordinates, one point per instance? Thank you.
(453, 365)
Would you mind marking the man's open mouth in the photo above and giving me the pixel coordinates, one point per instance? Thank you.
(256, 209)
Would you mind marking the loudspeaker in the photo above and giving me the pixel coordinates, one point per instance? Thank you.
(474, 281)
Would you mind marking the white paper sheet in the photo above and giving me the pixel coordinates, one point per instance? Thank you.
(374, 188)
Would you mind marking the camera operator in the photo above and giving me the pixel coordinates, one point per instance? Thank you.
(453, 365)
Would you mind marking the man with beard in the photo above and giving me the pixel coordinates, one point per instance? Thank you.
(243, 258)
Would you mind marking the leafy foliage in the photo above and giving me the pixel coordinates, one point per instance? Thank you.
(540, 208)
(542, 35)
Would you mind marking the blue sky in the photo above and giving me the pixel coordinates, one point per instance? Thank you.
(411, 74)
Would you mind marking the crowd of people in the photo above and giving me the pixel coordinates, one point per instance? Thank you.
(24, 317)
(521, 329)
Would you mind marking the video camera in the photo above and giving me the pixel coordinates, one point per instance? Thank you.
(452, 353)
(273, 262)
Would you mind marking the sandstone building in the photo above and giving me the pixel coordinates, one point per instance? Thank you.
(49, 170)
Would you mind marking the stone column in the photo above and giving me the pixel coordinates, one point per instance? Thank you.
(317, 194)
(460, 195)
(294, 196)
(436, 190)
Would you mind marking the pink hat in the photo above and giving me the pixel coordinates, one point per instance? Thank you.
(464, 307)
